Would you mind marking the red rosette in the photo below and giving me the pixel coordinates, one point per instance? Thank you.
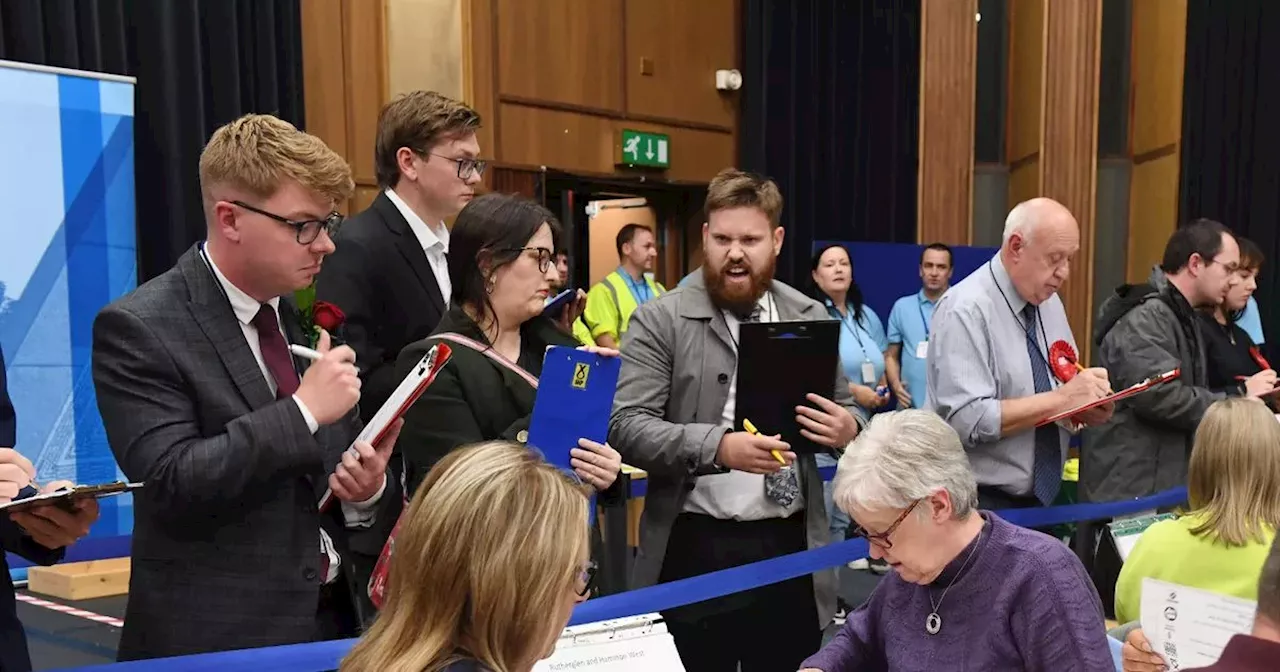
(1062, 361)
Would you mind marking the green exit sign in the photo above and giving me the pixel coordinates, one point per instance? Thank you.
(639, 148)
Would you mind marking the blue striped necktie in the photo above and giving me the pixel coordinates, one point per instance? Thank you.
(1046, 471)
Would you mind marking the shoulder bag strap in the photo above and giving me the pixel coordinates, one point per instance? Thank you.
(492, 354)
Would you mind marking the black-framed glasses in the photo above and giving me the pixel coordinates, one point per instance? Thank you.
(881, 539)
(307, 229)
(544, 256)
(588, 578)
(466, 165)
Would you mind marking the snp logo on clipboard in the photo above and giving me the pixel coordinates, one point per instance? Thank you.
(580, 372)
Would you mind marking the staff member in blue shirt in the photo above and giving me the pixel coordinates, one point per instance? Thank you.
(904, 359)
(862, 344)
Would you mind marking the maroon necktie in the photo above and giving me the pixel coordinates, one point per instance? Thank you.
(275, 352)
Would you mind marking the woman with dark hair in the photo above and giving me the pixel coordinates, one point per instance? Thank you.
(501, 254)
(862, 337)
(1230, 354)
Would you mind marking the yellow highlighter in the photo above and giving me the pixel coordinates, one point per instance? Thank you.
(751, 429)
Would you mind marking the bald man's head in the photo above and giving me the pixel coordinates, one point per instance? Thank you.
(1040, 238)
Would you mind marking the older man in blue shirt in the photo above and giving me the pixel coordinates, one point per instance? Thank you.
(988, 360)
(904, 360)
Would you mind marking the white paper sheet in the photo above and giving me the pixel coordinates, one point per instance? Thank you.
(1191, 627)
(636, 644)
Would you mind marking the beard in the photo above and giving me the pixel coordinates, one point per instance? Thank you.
(739, 299)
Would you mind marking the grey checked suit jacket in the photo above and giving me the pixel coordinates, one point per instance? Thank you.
(677, 358)
(226, 544)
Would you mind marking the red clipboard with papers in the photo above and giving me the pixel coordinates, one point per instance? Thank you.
(404, 396)
(1137, 388)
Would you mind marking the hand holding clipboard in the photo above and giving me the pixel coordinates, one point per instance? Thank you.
(1130, 391)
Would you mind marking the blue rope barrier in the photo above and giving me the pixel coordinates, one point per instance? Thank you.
(319, 656)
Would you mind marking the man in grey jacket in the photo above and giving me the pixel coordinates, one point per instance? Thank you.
(1145, 330)
(718, 498)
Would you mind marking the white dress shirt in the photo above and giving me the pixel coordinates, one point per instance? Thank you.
(434, 241)
(738, 495)
(246, 307)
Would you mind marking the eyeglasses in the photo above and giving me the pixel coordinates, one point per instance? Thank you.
(466, 166)
(588, 578)
(307, 229)
(882, 539)
(1229, 268)
(544, 256)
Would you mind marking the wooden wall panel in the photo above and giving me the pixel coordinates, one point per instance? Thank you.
(1069, 144)
(948, 51)
(1026, 62)
(685, 43)
(585, 143)
(561, 51)
(1157, 58)
(479, 70)
(424, 46)
(364, 53)
(324, 84)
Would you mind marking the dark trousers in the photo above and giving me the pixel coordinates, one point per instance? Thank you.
(336, 614)
(769, 629)
(993, 499)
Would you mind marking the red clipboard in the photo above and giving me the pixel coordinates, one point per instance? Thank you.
(1137, 388)
(408, 392)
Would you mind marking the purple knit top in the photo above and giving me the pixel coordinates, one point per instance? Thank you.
(1023, 603)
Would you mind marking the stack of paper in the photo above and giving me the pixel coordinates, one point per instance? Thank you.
(1191, 627)
(635, 644)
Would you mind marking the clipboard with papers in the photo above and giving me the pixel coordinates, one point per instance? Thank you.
(575, 400)
(779, 364)
(404, 396)
(633, 644)
(29, 499)
(1136, 388)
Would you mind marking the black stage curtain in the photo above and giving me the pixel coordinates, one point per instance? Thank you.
(830, 110)
(1230, 140)
(199, 64)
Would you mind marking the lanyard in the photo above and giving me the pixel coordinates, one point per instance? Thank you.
(639, 290)
(1024, 327)
(767, 314)
(856, 330)
(920, 307)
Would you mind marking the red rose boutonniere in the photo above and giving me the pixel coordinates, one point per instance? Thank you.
(315, 315)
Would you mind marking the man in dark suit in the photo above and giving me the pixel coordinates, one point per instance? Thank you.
(202, 399)
(390, 275)
(39, 535)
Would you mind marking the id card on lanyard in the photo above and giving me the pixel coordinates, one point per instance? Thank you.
(868, 369)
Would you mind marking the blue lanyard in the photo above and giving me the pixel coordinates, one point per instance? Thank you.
(923, 321)
(639, 290)
(856, 330)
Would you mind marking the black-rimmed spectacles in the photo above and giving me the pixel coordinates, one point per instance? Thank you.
(466, 166)
(881, 539)
(307, 229)
(544, 256)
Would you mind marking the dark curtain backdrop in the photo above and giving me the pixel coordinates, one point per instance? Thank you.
(830, 110)
(199, 64)
(1230, 139)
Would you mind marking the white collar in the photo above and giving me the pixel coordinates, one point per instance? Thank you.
(245, 307)
(427, 236)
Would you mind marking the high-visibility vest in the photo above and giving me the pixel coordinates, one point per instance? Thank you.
(624, 303)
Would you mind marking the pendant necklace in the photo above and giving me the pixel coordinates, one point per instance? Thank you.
(933, 623)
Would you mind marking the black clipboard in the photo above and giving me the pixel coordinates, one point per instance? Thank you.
(779, 363)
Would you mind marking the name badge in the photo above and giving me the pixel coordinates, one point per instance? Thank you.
(922, 350)
(868, 373)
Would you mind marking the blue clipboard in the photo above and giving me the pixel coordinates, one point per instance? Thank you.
(574, 401)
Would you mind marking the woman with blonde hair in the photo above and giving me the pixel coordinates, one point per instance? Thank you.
(1220, 544)
(492, 557)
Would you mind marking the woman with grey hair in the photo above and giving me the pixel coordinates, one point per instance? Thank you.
(969, 591)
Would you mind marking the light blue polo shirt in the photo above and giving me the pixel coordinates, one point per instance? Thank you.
(861, 341)
(909, 323)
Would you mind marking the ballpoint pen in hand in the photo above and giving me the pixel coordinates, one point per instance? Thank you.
(751, 429)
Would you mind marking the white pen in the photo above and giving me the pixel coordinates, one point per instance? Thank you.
(305, 352)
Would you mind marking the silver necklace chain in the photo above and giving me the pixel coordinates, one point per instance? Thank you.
(933, 623)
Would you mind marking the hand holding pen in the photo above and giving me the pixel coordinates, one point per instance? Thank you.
(753, 452)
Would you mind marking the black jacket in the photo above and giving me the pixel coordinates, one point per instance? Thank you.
(13, 640)
(379, 277)
(473, 398)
